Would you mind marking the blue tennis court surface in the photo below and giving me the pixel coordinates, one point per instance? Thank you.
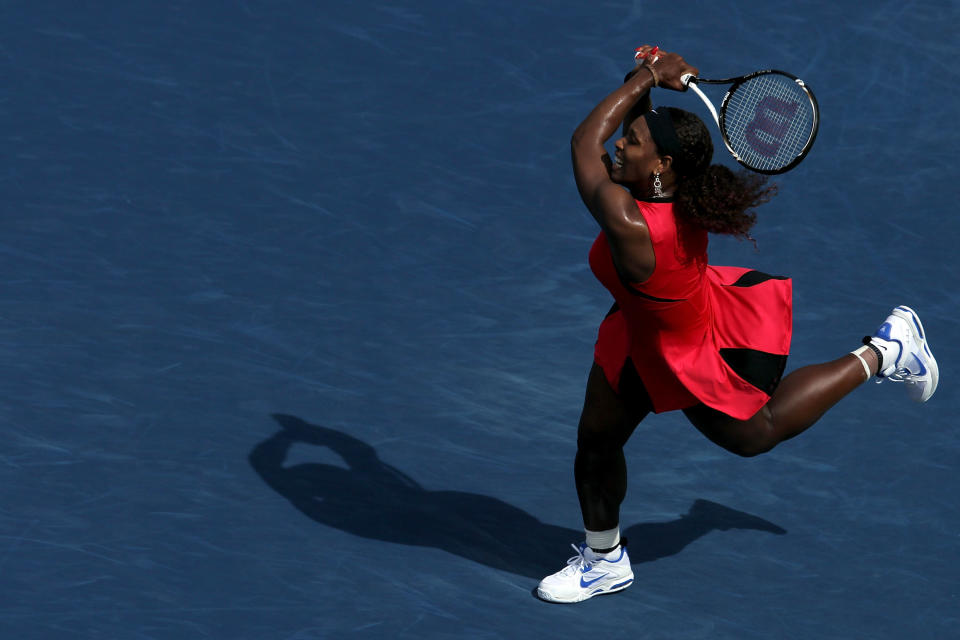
(296, 321)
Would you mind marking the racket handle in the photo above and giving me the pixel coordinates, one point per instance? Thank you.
(688, 80)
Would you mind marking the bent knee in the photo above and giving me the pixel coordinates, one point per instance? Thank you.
(750, 448)
(603, 435)
(745, 438)
(750, 438)
(588, 441)
(758, 436)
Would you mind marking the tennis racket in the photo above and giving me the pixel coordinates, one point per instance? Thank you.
(768, 119)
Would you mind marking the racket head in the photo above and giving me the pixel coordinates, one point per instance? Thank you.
(769, 121)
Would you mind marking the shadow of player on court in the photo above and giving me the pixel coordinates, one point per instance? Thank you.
(375, 500)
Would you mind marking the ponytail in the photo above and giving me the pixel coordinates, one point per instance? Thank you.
(711, 196)
(722, 201)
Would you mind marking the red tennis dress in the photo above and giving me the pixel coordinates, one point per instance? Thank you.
(694, 332)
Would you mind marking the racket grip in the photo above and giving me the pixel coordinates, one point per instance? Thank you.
(688, 81)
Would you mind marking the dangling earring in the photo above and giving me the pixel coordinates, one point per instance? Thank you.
(657, 186)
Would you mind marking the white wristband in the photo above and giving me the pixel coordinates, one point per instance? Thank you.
(866, 367)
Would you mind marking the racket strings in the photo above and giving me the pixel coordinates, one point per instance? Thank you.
(768, 121)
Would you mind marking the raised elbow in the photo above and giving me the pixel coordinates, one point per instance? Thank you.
(576, 140)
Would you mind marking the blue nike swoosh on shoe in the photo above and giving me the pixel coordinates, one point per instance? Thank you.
(587, 583)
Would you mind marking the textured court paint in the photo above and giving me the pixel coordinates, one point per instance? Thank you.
(358, 219)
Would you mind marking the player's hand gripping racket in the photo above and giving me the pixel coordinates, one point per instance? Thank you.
(768, 119)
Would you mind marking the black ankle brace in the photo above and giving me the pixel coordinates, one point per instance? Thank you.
(622, 543)
(866, 341)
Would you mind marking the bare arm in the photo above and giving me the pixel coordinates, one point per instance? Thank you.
(639, 108)
(610, 204)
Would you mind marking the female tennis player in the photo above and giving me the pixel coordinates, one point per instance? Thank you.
(682, 334)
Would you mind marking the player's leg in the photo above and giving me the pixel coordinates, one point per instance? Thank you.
(898, 351)
(799, 401)
(601, 563)
(600, 469)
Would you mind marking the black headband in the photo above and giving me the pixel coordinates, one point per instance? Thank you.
(663, 134)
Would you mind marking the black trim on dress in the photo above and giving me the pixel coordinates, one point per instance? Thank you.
(761, 369)
(751, 278)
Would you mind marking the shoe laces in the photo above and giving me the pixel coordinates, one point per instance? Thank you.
(902, 375)
(578, 562)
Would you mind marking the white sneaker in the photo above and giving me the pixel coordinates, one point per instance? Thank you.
(906, 356)
(588, 574)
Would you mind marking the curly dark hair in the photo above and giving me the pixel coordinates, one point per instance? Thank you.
(711, 196)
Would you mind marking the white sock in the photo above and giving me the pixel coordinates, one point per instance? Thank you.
(608, 539)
